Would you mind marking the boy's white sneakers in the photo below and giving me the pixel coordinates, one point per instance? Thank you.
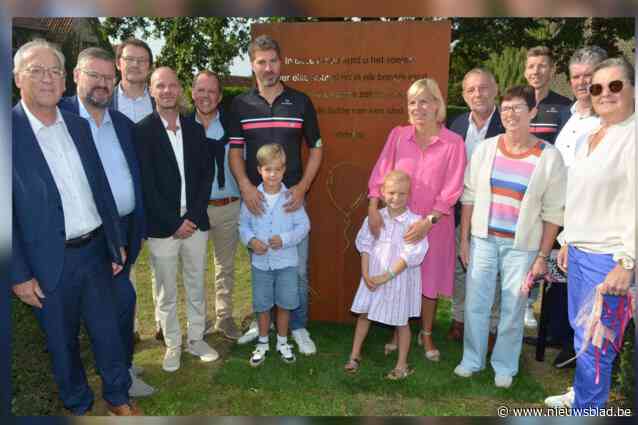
(563, 400)
(302, 338)
(259, 355)
(285, 350)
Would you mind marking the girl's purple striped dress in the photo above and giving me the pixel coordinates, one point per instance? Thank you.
(399, 299)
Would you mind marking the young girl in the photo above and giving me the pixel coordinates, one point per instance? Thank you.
(390, 288)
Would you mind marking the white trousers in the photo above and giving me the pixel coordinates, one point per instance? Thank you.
(165, 256)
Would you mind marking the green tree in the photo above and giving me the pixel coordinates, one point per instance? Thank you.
(191, 43)
(507, 67)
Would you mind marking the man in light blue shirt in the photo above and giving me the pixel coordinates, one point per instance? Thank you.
(112, 133)
(223, 204)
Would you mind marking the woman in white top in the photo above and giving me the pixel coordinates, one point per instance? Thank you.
(599, 238)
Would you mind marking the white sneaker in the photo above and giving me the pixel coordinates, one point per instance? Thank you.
(462, 372)
(251, 334)
(503, 381)
(259, 355)
(563, 400)
(202, 350)
(285, 350)
(172, 359)
(138, 387)
(302, 338)
(530, 320)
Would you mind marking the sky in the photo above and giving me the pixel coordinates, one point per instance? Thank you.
(240, 66)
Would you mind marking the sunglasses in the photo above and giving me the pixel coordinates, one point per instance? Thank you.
(614, 87)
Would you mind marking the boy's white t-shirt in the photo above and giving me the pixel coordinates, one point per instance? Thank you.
(271, 198)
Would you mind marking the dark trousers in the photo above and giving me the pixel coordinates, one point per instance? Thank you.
(85, 293)
(558, 327)
(125, 299)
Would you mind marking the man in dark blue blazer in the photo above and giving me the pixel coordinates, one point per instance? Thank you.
(112, 132)
(482, 122)
(67, 242)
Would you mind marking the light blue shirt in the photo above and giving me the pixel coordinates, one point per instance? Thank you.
(62, 157)
(216, 131)
(134, 109)
(291, 227)
(113, 161)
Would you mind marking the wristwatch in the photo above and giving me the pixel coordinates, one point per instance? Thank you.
(626, 262)
(432, 218)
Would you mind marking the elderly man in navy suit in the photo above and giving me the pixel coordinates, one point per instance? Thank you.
(112, 131)
(67, 242)
(482, 122)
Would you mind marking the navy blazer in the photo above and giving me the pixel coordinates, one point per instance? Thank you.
(124, 130)
(161, 180)
(38, 218)
(461, 123)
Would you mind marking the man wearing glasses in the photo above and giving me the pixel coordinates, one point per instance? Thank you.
(94, 76)
(67, 242)
(133, 59)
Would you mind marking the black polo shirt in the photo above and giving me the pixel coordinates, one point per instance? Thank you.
(547, 123)
(290, 118)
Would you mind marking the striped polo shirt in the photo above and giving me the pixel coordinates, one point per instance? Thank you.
(548, 123)
(510, 177)
(290, 120)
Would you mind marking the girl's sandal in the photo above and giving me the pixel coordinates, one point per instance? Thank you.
(352, 366)
(397, 374)
(431, 355)
(389, 348)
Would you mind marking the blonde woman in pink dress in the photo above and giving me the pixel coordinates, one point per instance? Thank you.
(434, 158)
(390, 287)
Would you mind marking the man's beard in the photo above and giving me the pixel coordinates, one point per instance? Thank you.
(92, 100)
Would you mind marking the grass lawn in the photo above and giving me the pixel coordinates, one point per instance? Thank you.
(314, 385)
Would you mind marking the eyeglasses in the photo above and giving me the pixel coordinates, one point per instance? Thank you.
(36, 72)
(95, 76)
(132, 60)
(521, 107)
(614, 87)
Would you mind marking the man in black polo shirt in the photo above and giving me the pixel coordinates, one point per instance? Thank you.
(539, 71)
(275, 113)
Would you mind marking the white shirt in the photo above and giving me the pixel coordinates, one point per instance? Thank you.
(177, 144)
(574, 133)
(475, 135)
(271, 198)
(78, 205)
(600, 211)
(134, 109)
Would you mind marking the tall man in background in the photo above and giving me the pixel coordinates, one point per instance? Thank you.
(275, 113)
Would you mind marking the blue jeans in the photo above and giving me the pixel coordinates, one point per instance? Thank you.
(299, 316)
(489, 257)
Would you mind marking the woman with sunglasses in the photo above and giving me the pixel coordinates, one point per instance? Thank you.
(513, 205)
(598, 243)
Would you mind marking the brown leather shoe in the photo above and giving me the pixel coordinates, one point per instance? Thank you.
(130, 409)
(456, 331)
(491, 340)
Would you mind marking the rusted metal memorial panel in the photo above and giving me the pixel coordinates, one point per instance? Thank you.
(356, 75)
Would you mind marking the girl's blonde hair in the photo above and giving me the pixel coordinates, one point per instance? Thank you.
(397, 176)
(430, 87)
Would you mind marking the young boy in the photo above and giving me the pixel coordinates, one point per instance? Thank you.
(273, 238)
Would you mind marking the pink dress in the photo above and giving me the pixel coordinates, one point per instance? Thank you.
(437, 182)
(399, 299)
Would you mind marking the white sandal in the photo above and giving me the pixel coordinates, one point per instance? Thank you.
(431, 355)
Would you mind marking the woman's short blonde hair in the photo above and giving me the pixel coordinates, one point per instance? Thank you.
(430, 87)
